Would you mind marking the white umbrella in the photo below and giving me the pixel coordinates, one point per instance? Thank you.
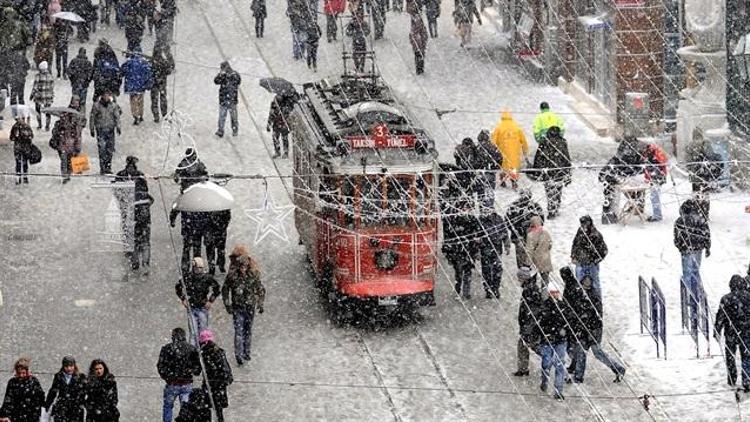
(204, 197)
(68, 16)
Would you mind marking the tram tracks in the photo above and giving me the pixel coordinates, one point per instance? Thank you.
(418, 337)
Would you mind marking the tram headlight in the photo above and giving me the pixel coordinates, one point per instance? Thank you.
(386, 259)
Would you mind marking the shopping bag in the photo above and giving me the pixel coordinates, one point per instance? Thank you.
(34, 154)
(79, 163)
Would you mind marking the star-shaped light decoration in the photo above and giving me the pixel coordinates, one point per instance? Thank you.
(270, 220)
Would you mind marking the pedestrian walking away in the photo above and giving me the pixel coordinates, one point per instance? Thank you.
(511, 142)
(432, 11)
(243, 293)
(312, 40)
(418, 39)
(190, 170)
(22, 135)
(44, 50)
(460, 246)
(656, 176)
(104, 123)
(553, 337)
(62, 31)
(197, 408)
(218, 372)
(489, 162)
(299, 17)
(107, 74)
(229, 84)
(627, 162)
(588, 250)
(691, 237)
(101, 394)
(162, 64)
(552, 166)
(528, 315)
(66, 140)
(24, 396)
(139, 78)
(545, 120)
(358, 29)
(518, 219)
(81, 73)
(258, 7)
(332, 10)
(216, 240)
(585, 320)
(539, 247)
(17, 69)
(278, 123)
(491, 245)
(463, 16)
(732, 321)
(178, 362)
(65, 399)
(197, 296)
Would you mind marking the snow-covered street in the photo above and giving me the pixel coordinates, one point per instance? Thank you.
(62, 294)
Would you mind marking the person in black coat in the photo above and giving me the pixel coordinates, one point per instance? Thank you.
(460, 246)
(493, 239)
(190, 170)
(518, 219)
(178, 362)
(627, 161)
(260, 13)
(62, 31)
(218, 372)
(553, 339)
(432, 10)
(200, 291)
(278, 124)
(81, 73)
(552, 159)
(489, 162)
(24, 396)
(586, 326)
(588, 250)
(162, 64)
(731, 319)
(528, 314)
(691, 237)
(107, 75)
(358, 30)
(229, 85)
(101, 394)
(312, 41)
(22, 135)
(17, 69)
(65, 399)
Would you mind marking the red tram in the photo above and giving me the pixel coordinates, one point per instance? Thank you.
(364, 186)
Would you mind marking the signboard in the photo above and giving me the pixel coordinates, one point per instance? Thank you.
(380, 137)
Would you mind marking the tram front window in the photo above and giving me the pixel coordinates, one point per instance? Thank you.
(397, 212)
(371, 192)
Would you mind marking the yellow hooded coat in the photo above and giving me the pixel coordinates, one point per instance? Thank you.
(510, 140)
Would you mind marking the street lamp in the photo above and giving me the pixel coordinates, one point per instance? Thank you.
(742, 56)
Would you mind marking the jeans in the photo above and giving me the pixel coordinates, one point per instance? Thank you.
(232, 110)
(61, 60)
(105, 143)
(554, 354)
(22, 166)
(592, 271)
(656, 202)
(171, 392)
(691, 265)
(745, 353)
(243, 333)
(259, 27)
(432, 26)
(601, 355)
(462, 270)
(82, 93)
(199, 316)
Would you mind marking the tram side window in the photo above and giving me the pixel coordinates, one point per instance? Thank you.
(423, 197)
(348, 191)
(399, 197)
(372, 200)
(327, 194)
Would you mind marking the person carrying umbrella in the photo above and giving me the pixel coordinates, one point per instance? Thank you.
(278, 122)
(66, 137)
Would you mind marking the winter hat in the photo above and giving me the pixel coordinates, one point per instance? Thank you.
(205, 336)
(43, 66)
(586, 220)
(525, 193)
(189, 152)
(82, 51)
(554, 132)
(525, 273)
(68, 360)
(131, 159)
(544, 106)
(484, 135)
(198, 262)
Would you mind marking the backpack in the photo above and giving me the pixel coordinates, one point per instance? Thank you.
(109, 70)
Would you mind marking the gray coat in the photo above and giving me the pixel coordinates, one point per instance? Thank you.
(105, 117)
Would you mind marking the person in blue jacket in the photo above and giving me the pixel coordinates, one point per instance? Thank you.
(138, 77)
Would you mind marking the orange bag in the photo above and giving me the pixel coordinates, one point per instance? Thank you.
(79, 163)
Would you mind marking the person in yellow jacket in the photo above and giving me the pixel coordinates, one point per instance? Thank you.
(545, 120)
(511, 141)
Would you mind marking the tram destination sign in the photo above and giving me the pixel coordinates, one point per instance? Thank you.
(380, 137)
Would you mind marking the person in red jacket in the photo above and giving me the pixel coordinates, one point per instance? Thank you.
(332, 9)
